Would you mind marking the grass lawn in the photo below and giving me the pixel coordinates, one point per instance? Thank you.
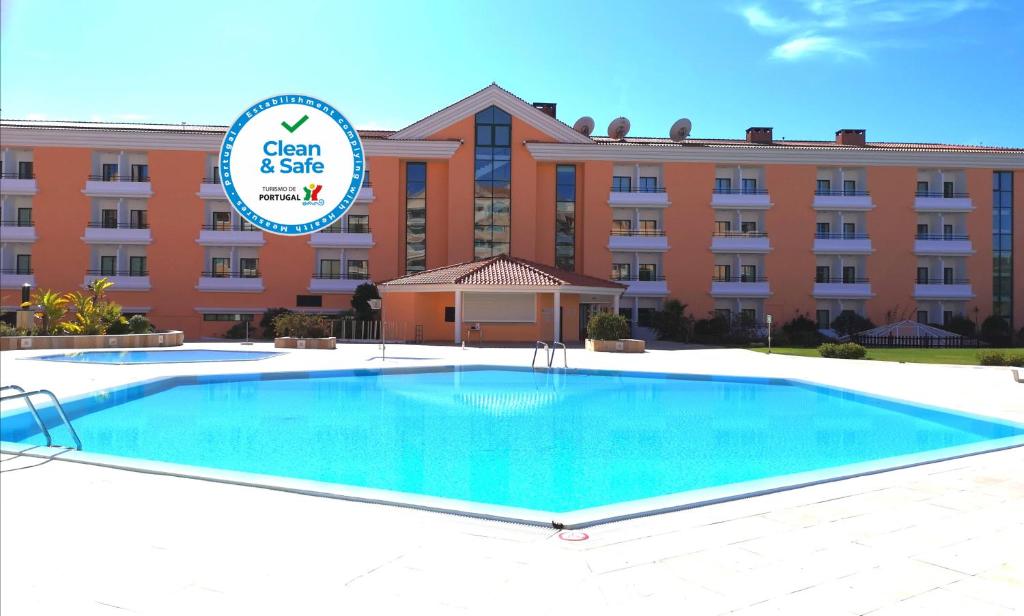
(920, 356)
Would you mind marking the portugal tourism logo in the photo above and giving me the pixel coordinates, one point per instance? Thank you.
(291, 164)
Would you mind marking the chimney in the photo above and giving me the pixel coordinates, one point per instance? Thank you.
(851, 136)
(548, 108)
(759, 134)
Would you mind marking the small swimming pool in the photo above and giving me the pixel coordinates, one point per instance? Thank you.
(577, 447)
(157, 357)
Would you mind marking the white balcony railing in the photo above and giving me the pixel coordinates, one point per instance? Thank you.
(739, 199)
(115, 186)
(217, 235)
(14, 185)
(638, 198)
(322, 283)
(230, 283)
(15, 279)
(97, 233)
(353, 236)
(943, 202)
(943, 245)
(737, 287)
(641, 240)
(739, 241)
(844, 244)
(123, 281)
(843, 200)
(648, 287)
(211, 189)
(22, 233)
(943, 289)
(842, 289)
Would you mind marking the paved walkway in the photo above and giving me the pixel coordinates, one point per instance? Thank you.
(945, 538)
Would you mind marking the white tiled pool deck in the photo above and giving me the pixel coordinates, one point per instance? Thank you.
(943, 538)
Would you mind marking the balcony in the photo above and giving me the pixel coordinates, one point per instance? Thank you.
(226, 235)
(211, 188)
(854, 200)
(17, 184)
(118, 186)
(335, 283)
(644, 240)
(17, 231)
(366, 192)
(842, 288)
(123, 280)
(740, 199)
(120, 233)
(740, 286)
(638, 197)
(943, 288)
(342, 236)
(14, 278)
(643, 285)
(942, 202)
(945, 244)
(740, 241)
(842, 243)
(231, 282)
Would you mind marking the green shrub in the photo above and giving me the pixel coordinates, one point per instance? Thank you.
(849, 322)
(992, 358)
(139, 324)
(238, 331)
(995, 330)
(7, 329)
(607, 326)
(800, 332)
(672, 322)
(960, 324)
(1015, 359)
(847, 350)
(1020, 337)
(299, 325)
(118, 326)
(267, 322)
(361, 301)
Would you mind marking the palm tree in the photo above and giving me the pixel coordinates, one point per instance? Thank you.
(99, 288)
(51, 308)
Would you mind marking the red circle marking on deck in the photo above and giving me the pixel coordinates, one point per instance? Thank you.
(573, 535)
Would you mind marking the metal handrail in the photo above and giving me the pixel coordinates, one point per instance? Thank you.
(941, 195)
(536, 347)
(35, 413)
(945, 237)
(60, 409)
(754, 234)
(565, 354)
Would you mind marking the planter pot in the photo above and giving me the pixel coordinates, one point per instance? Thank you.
(89, 341)
(627, 345)
(305, 343)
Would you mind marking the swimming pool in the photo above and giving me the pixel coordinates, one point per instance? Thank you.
(581, 446)
(157, 357)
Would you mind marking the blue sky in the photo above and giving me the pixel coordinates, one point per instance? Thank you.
(915, 70)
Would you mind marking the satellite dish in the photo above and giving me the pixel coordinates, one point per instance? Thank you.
(619, 128)
(680, 130)
(584, 126)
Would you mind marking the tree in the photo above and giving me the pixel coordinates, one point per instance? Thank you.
(995, 330)
(267, 322)
(672, 322)
(849, 322)
(801, 331)
(960, 324)
(361, 300)
(51, 308)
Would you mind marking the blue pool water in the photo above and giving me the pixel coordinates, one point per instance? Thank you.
(157, 357)
(533, 440)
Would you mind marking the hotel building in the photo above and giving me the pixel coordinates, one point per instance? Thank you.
(749, 226)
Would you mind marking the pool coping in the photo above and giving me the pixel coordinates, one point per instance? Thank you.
(53, 358)
(580, 518)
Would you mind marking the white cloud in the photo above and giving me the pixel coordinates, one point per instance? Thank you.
(760, 20)
(803, 46)
(35, 116)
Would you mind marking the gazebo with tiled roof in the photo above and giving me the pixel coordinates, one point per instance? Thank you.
(499, 290)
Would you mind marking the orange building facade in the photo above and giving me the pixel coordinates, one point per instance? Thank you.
(749, 227)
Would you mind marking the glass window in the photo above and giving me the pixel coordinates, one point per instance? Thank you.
(620, 271)
(492, 184)
(947, 275)
(221, 221)
(849, 274)
(824, 319)
(358, 223)
(922, 275)
(723, 185)
(565, 217)
(644, 316)
(922, 187)
(648, 184)
(357, 269)
(849, 230)
(723, 273)
(622, 226)
(23, 264)
(330, 268)
(140, 173)
(109, 172)
(947, 231)
(723, 313)
(220, 267)
(24, 217)
(245, 225)
(922, 230)
(649, 227)
(25, 171)
(1002, 245)
(723, 226)
(748, 273)
(108, 219)
(947, 316)
(139, 219)
(822, 273)
(823, 229)
(748, 226)
(849, 187)
(248, 267)
(947, 189)
(749, 185)
(748, 315)
(922, 316)
(215, 174)
(824, 187)
(648, 271)
(622, 183)
(416, 212)
(108, 265)
(137, 266)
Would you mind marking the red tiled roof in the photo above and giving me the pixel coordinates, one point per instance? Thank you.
(144, 127)
(501, 271)
(804, 143)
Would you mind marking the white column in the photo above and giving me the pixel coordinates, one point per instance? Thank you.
(615, 304)
(119, 260)
(458, 317)
(234, 260)
(557, 336)
(122, 165)
(636, 177)
(122, 212)
(634, 317)
(235, 220)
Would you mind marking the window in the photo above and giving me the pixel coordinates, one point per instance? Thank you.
(108, 265)
(922, 316)
(140, 173)
(648, 271)
(245, 225)
(644, 316)
(849, 274)
(620, 271)
(723, 273)
(824, 319)
(215, 174)
(109, 172)
(622, 183)
(248, 267)
(823, 229)
(822, 273)
(357, 269)
(221, 221)
(849, 230)
(849, 187)
(748, 226)
(723, 226)
(492, 208)
(947, 316)
(723, 313)
(947, 232)
(748, 273)
(648, 184)
(23, 264)
(723, 185)
(415, 217)
(947, 189)
(309, 301)
(922, 275)
(220, 267)
(24, 217)
(922, 187)
(648, 227)
(922, 230)
(358, 223)
(626, 313)
(330, 268)
(622, 226)
(748, 315)
(947, 275)
(824, 187)
(565, 217)
(1002, 246)
(449, 314)
(749, 185)
(108, 219)
(139, 219)
(218, 316)
(25, 171)
(137, 266)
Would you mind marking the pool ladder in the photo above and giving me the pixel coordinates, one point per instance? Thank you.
(27, 396)
(549, 353)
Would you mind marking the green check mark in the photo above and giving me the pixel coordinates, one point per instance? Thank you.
(293, 127)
